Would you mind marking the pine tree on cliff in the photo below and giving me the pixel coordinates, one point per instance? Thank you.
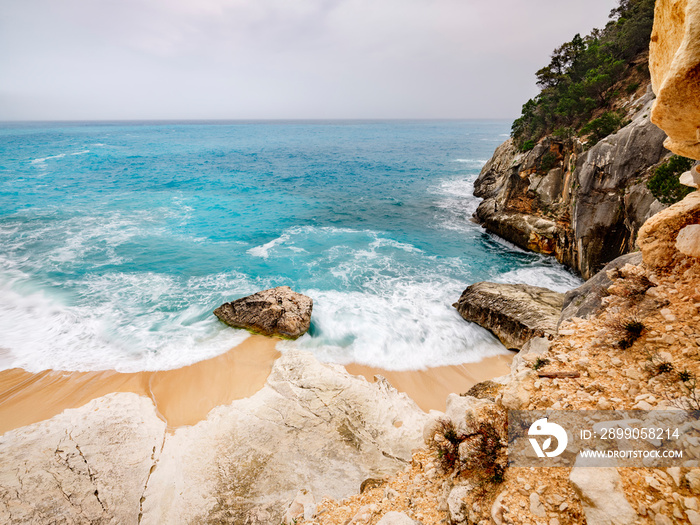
(584, 77)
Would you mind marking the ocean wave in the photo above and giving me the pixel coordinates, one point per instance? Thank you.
(555, 277)
(42, 160)
(123, 322)
(479, 162)
(409, 326)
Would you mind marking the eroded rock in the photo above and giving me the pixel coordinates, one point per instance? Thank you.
(583, 207)
(277, 312)
(674, 55)
(86, 465)
(657, 238)
(313, 425)
(602, 497)
(515, 313)
(586, 300)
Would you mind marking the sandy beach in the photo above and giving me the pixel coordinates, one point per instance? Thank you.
(186, 395)
(429, 388)
(182, 396)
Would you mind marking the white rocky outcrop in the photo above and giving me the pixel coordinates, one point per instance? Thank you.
(313, 427)
(602, 497)
(86, 465)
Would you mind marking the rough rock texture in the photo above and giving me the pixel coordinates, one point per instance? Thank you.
(312, 427)
(674, 63)
(515, 313)
(584, 207)
(277, 312)
(691, 178)
(688, 240)
(586, 300)
(602, 497)
(86, 465)
(657, 238)
(396, 518)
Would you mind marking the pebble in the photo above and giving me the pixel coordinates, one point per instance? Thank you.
(536, 506)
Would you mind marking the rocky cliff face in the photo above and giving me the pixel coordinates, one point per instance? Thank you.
(585, 207)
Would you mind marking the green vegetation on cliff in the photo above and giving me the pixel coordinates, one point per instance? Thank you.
(584, 77)
(664, 185)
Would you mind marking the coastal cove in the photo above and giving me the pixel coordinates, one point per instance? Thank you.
(121, 239)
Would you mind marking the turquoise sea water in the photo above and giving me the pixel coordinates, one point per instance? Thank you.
(117, 240)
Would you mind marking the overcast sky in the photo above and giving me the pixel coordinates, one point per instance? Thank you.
(230, 59)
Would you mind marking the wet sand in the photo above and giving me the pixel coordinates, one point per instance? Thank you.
(184, 396)
(429, 388)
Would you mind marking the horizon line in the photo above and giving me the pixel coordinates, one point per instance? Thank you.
(224, 120)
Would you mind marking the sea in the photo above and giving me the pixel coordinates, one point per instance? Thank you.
(119, 239)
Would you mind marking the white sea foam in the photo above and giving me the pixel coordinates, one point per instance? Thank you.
(555, 278)
(294, 234)
(140, 327)
(409, 326)
(478, 162)
(42, 160)
(457, 203)
(264, 250)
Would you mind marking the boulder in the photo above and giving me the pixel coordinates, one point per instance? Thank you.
(657, 238)
(515, 313)
(674, 55)
(279, 312)
(688, 240)
(602, 497)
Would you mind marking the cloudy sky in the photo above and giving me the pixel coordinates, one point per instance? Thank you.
(228, 59)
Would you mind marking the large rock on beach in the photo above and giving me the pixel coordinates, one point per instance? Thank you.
(515, 313)
(313, 427)
(279, 312)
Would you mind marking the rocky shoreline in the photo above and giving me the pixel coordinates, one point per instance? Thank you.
(583, 207)
(318, 445)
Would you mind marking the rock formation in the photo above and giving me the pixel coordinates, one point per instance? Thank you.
(674, 63)
(515, 313)
(583, 207)
(313, 426)
(587, 299)
(278, 312)
(658, 237)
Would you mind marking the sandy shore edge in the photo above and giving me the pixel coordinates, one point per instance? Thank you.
(429, 388)
(185, 396)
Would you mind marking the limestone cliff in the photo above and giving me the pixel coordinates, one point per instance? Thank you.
(584, 207)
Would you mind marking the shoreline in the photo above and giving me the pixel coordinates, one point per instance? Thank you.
(430, 387)
(184, 396)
